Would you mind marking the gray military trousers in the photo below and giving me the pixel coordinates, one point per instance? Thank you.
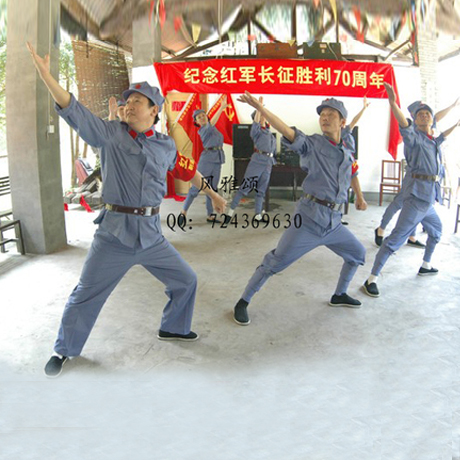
(106, 263)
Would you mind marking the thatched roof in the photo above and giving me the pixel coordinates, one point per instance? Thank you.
(111, 20)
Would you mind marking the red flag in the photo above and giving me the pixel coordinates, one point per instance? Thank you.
(186, 167)
(228, 118)
(85, 204)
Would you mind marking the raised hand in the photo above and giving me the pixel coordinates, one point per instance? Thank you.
(391, 93)
(113, 106)
(59, 94)
(365, 103)
(248, 98)
(224, 104)
(41, 64)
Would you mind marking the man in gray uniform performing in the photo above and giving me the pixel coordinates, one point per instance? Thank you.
(259, 169)
(135, 160)
(329, 162)
(421, 188)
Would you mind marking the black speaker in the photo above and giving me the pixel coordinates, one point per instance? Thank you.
(322, 50)
(354, 133)
(243, 147)
(288, 157)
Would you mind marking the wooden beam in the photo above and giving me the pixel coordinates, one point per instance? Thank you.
(197, 49)
(263, 29)
(294, 22)
(249, 36)
(352, 31)
(449, 55)
(402, 45)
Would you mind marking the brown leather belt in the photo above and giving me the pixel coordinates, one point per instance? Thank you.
(213, 148)
(426, 177)
(268, 154)
(145, 212)
(328, 204)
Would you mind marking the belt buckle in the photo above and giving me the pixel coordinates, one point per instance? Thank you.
(108, 207)
(334, 206)
(147, 211)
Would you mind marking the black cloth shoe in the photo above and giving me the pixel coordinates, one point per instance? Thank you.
(378, 239)
(415, 244)
(190, 337)
(227, 219)
(371, 289)
(181, 220)
(344, 223)
(240, 314)
(344, 300)
(53, 367)
(210, 221)
(427, 271)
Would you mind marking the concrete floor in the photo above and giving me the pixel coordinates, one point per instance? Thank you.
(303, 382)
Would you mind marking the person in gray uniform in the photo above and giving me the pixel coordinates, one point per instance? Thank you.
(390, 211)
(259, 169)
(211, 159)
(329, 162)
(135, 159)
(421, 189)
(117, 109)
(397, 202)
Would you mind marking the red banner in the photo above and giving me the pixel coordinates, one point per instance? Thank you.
(282, 76)
(228, 118)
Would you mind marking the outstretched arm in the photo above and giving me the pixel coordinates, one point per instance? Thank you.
(91, 128)
(276, 122)
(217, 115)
(355, 120)
(397, 112)
(58, 93)
(257, 117)
(448, 131)
(442, 113)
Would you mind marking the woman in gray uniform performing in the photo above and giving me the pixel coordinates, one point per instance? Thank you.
(212, 157)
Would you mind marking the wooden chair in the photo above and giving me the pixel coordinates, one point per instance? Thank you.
(7, 222)
(390, 181)
(446, 194)
(6, 225)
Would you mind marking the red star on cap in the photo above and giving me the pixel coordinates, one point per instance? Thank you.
(138, 86)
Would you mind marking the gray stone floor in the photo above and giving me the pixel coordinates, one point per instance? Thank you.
(304, 381)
